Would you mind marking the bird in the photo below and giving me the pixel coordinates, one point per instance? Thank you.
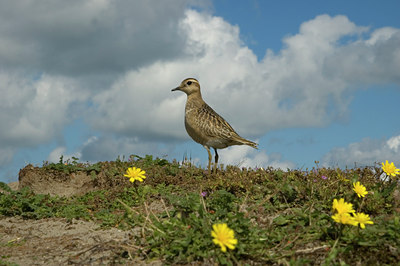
(205, 126)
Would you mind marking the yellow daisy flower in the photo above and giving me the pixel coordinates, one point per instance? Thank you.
(223, 236)
(362, 219)
(135, 174)
(342, 207)
(390, 169)
(360, 189)
(344, 218)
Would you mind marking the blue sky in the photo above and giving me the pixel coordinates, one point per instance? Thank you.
(309, 81)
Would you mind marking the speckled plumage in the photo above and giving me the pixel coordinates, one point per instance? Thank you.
(204, 125)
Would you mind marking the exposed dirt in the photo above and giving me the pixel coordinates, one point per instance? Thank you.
(54, 182)
(59, 241)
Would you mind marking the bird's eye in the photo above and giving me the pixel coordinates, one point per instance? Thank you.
(189, 83)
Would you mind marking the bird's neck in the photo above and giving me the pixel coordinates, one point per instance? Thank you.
(194, 100)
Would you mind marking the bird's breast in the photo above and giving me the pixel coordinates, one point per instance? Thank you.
(193, 130)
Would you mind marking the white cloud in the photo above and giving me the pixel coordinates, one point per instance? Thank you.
(394, 143)
(244, 156)
(34, 111)
(366, 152)
(107, 147)
(55, 155)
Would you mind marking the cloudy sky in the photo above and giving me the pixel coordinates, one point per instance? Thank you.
(92, 79)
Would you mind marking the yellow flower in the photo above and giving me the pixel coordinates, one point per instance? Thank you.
(344, 218)
(390, 169)
(135, 174)
(362, 219)
(360, 189)
(223, 236)
(342, 207)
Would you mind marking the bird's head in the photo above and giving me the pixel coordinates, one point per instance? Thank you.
(189, 86)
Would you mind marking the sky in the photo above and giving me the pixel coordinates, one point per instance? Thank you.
(310, 81)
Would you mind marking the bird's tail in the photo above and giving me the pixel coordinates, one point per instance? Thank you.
(251, 144)
(248, 142)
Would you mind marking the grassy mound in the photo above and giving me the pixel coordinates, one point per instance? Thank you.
(279, 217)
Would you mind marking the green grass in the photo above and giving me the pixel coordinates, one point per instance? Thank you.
(279, 217)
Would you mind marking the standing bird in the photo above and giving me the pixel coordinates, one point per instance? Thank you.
(204, 125)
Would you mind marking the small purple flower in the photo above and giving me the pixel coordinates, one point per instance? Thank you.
(204, 193)
(324, 177)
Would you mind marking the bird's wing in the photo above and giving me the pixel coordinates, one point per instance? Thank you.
(213, 125)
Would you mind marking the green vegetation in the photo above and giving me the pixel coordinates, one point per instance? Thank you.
(279, 217)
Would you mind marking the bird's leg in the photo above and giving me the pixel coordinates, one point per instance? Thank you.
(216, 160)
(209, 158)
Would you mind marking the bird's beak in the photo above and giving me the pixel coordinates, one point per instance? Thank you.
(176, 89)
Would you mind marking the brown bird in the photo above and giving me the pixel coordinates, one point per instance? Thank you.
(204, 125)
